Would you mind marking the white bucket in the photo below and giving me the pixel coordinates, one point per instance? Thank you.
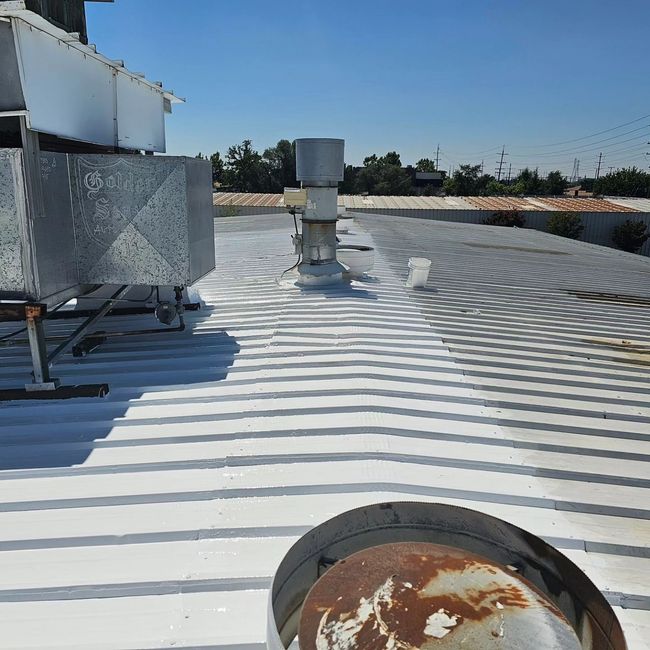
(418, 272)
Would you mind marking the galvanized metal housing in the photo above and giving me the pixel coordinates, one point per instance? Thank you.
(108, 219)
(319, 161)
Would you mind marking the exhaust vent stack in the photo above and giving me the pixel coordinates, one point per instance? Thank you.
(319, 167)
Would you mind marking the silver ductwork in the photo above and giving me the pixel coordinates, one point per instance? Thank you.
(108, 219)
(319, 167)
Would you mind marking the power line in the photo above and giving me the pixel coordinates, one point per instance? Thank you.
(579, 150)
(593, 135)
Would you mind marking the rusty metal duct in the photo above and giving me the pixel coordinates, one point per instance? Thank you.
(319, 167)
(405, 576)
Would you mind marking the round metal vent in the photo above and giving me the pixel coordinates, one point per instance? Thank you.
(403, 576)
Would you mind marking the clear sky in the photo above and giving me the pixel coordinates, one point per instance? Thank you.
(386, 75)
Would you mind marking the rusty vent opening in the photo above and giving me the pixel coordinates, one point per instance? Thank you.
(421, 595)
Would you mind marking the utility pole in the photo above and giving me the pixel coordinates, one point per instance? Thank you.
(576, 170)
(482, 161)
(600, 160)
(509, 171)
(610, 169)
(437, 156)
(500, 162)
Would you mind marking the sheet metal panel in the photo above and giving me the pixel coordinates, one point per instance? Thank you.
(12, 209)
(79, 94)
(108, 219)
(156, 517)
(77, 101)
(141, 220)
(140, 115)
(11, 97)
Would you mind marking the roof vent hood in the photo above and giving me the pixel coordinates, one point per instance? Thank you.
(319, 167)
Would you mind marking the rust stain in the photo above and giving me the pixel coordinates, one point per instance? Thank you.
(611, 298)
(634, 352)
(385, 597)
(522, 249)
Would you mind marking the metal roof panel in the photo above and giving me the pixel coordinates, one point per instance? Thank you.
(515, 383)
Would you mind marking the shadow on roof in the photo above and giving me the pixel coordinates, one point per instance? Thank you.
(67, 431)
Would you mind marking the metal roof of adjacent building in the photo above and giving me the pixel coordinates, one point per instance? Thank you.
(356, 202)
(640, 205)
(515, 383)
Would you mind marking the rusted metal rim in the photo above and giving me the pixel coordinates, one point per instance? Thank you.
(554, 576)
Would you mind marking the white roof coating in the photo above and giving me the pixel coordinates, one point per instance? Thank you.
(642, 205)
(515, 383)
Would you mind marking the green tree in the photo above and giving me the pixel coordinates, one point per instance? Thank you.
(200, 156)
(630, 235)
(555, 183)
(494, 188)
(528, 182)
(624, 182)
(383, 175)
(565, 224)
(348, 186)
(464, 181)
(281, 165)
(217, 167)
(425, 165)
(507, 218)
(245, 170)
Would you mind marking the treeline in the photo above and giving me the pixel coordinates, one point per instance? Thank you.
(467, 180)
(243, 169)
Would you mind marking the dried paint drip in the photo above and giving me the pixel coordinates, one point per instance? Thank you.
(415, 595)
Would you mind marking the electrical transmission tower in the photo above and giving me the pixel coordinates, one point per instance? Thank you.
(600, 162)
(500, 162)
(509, 171)
(575, 174)
(438, 157)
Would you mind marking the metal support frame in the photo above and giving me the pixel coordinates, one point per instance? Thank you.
(38, 349)
(80, 332)
(43, 385)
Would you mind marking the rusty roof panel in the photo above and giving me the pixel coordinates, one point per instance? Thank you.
(529, 204)
(570, 204)
(502, 203)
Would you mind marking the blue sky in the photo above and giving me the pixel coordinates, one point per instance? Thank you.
(394, 75)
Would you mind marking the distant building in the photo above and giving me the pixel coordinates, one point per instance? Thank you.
(424, 179)
(577, 191)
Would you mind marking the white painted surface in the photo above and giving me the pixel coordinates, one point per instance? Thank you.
(156, 517)
(74, 92)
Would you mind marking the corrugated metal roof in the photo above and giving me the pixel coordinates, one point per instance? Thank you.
(248, 199)
(516, 383)
(541, 203)
(583, 204)
(349, 201)
(640, 205)
(545, 203)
